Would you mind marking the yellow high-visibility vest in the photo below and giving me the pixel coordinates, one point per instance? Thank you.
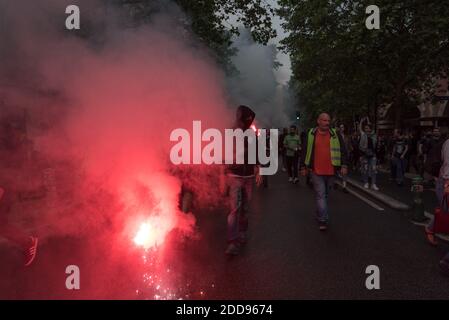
(334, 145)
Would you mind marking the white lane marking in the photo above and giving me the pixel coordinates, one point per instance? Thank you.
(422, 224)
(367, 201)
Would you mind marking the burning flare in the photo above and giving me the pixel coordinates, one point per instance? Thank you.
(151, 233)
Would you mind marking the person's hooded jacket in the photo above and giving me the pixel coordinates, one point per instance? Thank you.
(244, 118)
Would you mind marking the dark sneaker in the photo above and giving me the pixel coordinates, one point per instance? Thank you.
(309, 182)
(243, 238)
(30, 252)
(232, 249)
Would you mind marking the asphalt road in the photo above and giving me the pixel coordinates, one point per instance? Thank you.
(287, 257)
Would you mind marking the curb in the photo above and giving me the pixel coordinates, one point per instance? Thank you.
(407, 175)
(393, 203)
(379, 196)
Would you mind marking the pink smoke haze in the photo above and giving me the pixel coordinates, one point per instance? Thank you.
(108, 123)
(123, 103)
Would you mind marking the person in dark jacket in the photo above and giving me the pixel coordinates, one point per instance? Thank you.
(323, 154)
(368, 159)
(239, 180)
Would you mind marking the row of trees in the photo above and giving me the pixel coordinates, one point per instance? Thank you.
(340, 66)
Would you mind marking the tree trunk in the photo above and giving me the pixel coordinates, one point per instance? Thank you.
(398, 104)
(397, 115)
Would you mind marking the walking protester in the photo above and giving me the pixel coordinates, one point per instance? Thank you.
(355, 156)
(391, 144)
(441, 186)
(432, 147)
(399, 160)
(282, 149)
(292, 148)
(323, 154)
(381, 150)
(413, 153)
(239, 180)
(348, 145)
(422, 153)
(368, 160)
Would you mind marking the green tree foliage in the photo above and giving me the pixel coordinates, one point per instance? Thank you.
(341, 66)
(215, 22)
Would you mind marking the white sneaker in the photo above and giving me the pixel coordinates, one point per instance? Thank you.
(366, 186)
(290, 179)
(374, 187)
(295, 180)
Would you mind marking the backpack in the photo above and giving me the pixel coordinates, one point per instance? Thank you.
(434, 161)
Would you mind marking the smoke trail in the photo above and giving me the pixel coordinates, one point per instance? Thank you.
(256, 83)
(101, 104)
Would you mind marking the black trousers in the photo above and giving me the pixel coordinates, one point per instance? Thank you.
(292, 166)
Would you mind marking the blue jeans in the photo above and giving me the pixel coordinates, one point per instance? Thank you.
(240, 192)
(399, 165)
(369, 169)
(321, 186)
(292, 166)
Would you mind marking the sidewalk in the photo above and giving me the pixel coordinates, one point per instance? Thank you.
(379, 196)
(397, 197)
(403, 194)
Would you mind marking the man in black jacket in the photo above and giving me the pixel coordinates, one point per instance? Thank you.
(240, 179)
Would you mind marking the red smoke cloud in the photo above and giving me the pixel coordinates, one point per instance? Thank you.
(107, 127)
(126, 100)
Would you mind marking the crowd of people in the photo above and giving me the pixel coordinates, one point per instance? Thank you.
(326, 153)
(367, 152)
